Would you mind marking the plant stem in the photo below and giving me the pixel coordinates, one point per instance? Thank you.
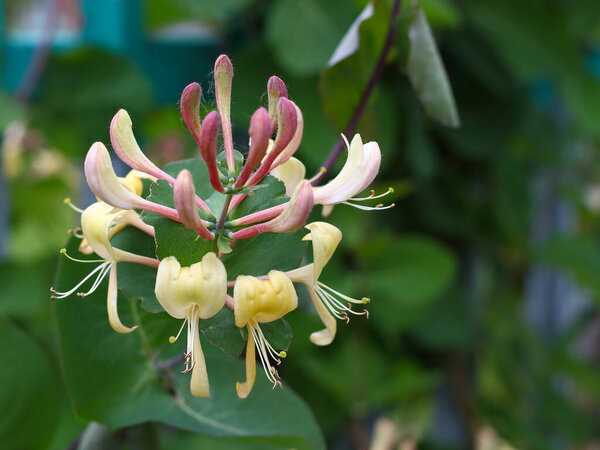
(350, 129)
(221, 221)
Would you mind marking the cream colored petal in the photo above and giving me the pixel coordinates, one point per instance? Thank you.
(326, 336)
(325, 239)
(361, 167)
(199, 386)
(111, 303)
(96, 223)
(243, 389)
(290, 173)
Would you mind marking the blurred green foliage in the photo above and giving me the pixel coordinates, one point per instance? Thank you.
(447, 269)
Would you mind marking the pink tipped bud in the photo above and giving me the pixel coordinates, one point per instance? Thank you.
(293, 216)
(294, 143)
(190, 108)
(106, 185)
(275, 90)
(208, 148)
(223, 77)
(185, 203)
(288, 123)
(127, 148)
(260, 132)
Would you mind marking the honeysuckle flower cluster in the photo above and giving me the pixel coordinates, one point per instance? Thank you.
(199, 291)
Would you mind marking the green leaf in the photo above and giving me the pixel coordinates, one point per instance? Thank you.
(137, 281)
(427, 74)
(303, 35)
(112, 378)
(173, 238)
(271, 193)
(342, 84)
(258, 255)
(222, 332)
(27, 391)
(405, 274)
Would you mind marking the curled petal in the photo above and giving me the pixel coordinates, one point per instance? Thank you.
(293, 216)
(243, 389)
(325, 336)
(260, 133)
(223, 77)
(185, 203)
(275, 90)
(358, 172)
(111, 303)
(106, 185)
(199, 386)
(291, 173)
(127, 148)
(288, 123)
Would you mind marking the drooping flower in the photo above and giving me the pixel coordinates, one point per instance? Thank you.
(328, 302)
(258, 301)
(191, 293)
(97, 224)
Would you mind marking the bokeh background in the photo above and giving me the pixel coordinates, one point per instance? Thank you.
(485, 279)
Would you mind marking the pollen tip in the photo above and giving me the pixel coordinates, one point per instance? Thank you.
(380, 205)
(366, 300)
(282, 354)
(392, 205)
(63, 251)
(80, 294)
(372, 192)
(391, 189)
(172, 339)
(67, 200)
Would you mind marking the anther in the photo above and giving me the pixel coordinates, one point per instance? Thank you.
(172, 339)
(372, 192)
(380, 205)
(366, 300)
(282, 354)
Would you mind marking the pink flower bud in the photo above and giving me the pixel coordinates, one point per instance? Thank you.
(208, 148)
(223, 76)
(260, 133)
(106, 185)
(185, 203)
(190, 108)
(275, 90)
(288, 123)
(127, 148)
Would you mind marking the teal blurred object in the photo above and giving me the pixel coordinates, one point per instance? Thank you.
(171, 60)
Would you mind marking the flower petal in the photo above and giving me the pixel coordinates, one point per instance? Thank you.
(111, 303)
(361, 167)
(291, 173)
(243, 389)
(325, 239)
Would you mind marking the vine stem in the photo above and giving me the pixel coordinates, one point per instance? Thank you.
(350, 129)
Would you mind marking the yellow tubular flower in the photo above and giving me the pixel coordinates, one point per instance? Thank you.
(327, 301)
(260, 301)
(98, 223)
(191, 293)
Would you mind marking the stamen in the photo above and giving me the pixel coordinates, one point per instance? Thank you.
(335, 306)
(369, 208)
(264, 351)
(101, 268)
(67, 201)
(173, 339)
(63, 251)
(373, 196)
(321, 171)
(99, 279)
